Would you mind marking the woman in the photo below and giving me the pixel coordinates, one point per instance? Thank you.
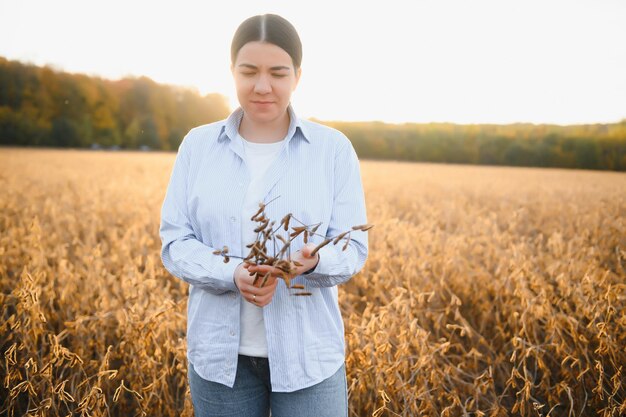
(253, 349)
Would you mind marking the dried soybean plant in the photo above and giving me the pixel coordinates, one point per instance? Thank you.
(280, 256)
(484, 294)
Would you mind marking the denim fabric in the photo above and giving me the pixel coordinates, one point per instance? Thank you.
(252, 396)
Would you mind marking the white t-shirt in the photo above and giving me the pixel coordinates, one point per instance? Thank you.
(259, 157)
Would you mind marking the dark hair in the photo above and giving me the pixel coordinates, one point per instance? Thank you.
(268, 28)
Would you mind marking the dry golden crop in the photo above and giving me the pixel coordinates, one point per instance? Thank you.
(488, 291)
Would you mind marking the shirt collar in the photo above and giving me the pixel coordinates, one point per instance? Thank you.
(230, 128)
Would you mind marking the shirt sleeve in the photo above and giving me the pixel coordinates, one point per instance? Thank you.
(182, 254)
(335, 265)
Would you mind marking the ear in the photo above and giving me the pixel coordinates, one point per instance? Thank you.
(298, 74)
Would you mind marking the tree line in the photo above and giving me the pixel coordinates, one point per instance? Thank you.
(43, 107)
(591, 146)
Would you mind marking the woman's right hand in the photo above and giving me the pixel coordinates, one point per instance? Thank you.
(259, 296)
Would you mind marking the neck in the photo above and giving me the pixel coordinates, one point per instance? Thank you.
(269, 132)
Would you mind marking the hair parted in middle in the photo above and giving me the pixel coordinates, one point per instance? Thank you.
(268, 28)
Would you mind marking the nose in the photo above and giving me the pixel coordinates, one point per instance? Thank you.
(262, 85)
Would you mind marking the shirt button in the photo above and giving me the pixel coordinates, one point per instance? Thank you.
(233, 219)
(232, 333)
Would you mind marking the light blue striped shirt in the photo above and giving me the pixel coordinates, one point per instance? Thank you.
(316, 177)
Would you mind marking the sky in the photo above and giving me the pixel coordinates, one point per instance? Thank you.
(459, 61)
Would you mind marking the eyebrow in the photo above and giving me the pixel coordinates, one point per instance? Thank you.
(276, 68)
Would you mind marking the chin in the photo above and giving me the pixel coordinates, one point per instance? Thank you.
(267, 116)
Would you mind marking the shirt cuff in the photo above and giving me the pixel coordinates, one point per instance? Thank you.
(228, 272)
(327, 260)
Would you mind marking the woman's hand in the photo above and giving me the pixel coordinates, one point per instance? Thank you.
(258, 296)
(302, 257)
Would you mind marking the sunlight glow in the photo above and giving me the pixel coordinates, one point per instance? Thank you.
(421, 61)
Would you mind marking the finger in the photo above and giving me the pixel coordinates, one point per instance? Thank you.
(261, 269)
(249, 289)
(245, 284)
(264, 289)
(307, 250)
(260, 281)
(269, 286)
(263, 281)
(264, 269)
(264, 303)
(259, 300)
(267, 289)
(263, 300)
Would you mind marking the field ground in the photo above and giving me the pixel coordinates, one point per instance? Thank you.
(488, 291)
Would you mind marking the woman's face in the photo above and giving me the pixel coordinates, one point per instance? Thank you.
(264, 78)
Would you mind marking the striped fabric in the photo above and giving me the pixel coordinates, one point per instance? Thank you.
(316, 177)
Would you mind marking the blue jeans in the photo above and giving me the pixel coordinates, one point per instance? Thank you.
(252, 395)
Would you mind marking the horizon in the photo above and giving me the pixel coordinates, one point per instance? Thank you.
(483, 63)
(313, 118)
